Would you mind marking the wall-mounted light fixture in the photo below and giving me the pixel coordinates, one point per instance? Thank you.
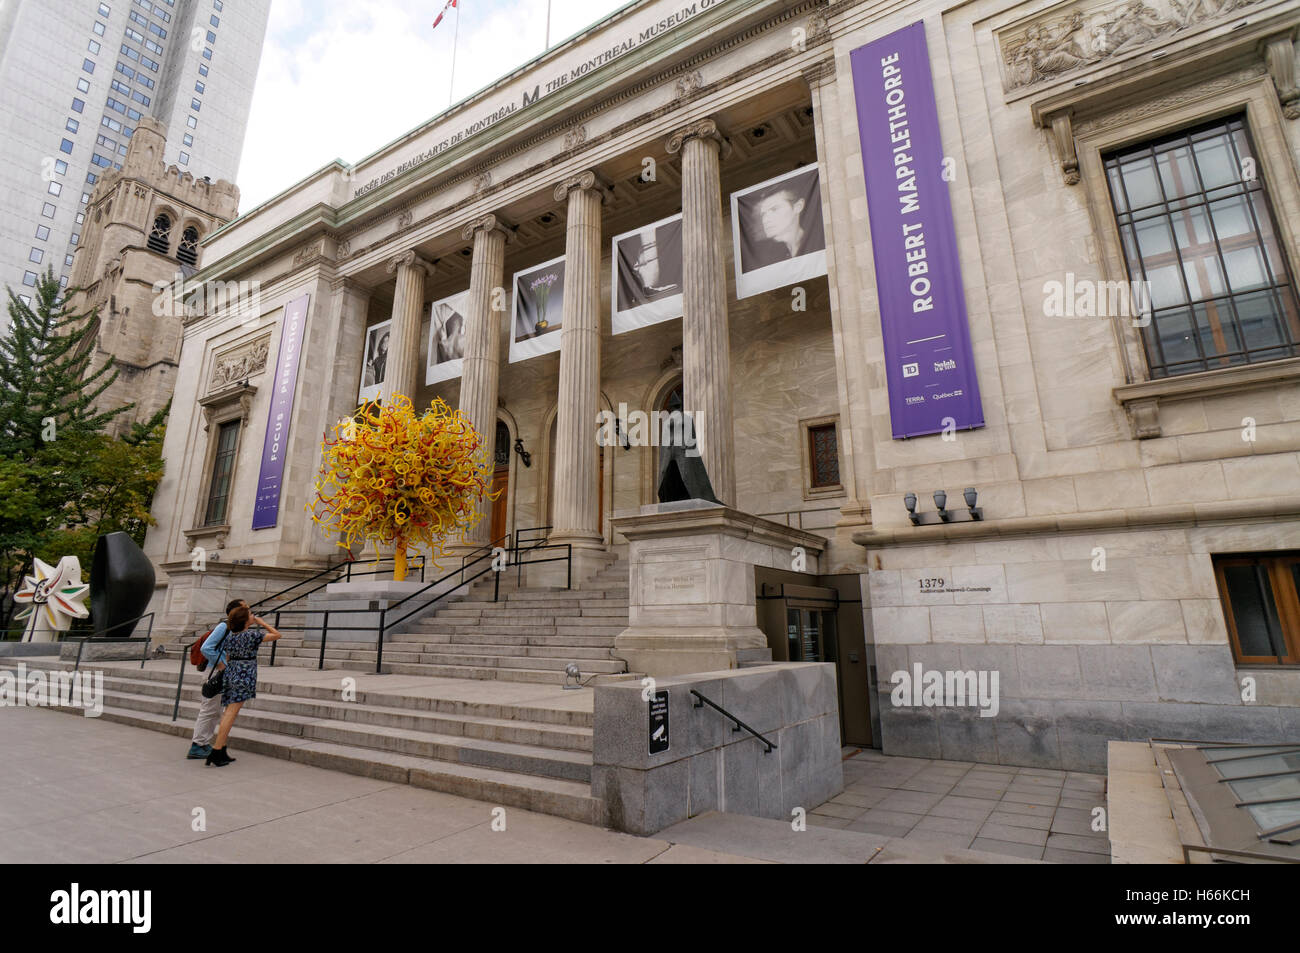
(941, 506)
(524, 455)
(622, 437)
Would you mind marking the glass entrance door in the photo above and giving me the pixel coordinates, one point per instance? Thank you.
(812, 635)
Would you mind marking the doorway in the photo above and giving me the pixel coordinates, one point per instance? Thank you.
(500, 481)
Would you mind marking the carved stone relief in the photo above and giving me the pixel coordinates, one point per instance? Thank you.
(1052, 46)
(240, 363)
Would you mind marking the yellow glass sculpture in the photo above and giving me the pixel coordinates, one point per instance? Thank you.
(392, 477)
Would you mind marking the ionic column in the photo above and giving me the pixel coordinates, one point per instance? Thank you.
(401, 375)
(481, 369)
(575, 513)
(706, 346)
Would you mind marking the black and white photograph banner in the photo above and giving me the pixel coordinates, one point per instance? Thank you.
(446, 338)
(647, 275)
(538, 310)
(374, 364)
(777, 232)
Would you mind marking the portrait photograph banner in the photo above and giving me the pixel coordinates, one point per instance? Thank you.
(538, 310)
(929, 365)
(374, 362)
(647, 275)
(776, 231)
(446, 338)
(266, 505)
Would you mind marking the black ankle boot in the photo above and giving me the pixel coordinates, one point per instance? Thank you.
(219, 758)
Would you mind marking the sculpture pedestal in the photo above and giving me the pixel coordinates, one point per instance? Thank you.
(691, 592)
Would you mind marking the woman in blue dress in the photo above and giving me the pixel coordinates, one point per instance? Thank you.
(243, 638)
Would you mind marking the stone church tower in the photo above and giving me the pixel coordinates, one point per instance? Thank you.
(145, 226)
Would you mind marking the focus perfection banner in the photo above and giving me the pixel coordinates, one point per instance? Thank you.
(928, 360)
(266, 508)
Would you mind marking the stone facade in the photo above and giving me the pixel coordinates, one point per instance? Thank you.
(123, 261)
(1084, 450)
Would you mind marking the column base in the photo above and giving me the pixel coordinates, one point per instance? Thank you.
(663, 651)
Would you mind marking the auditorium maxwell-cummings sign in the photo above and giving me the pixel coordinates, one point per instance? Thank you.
(539, 90)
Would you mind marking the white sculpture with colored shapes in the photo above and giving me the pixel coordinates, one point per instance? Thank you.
(56, 595)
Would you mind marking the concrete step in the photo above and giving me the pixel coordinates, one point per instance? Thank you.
(537, 676)
(544, 795)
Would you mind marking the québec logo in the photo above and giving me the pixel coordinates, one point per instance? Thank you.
(77, 906)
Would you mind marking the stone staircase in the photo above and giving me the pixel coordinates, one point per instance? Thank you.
(528, 635)
(532, 752)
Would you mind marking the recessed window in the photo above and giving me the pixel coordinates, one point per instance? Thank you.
(212, 38)
(91, 178)
(195, 105)
(192, 122)
(103, 10)
(1261, 606)
(199, 86)
(93, 46)
(1200, 232)
(223, 468)
(80, 217)
(29, 279)
(76, 237)
(36, 255)
(85, 197)
(98, 28)
(71, 125)
(187, 139)
(83, 85)
(214, 20)
(160, 238)
(55, 188)
(42, 232)
(88, 65)
(217, 4)
(823, 456)
(67, 259)
(60, 166)
(207, 53)
(63, 281)
(185, 158)
(26, 300)
(203, 69)
(78, 105)
(47, 210)
(66, 146)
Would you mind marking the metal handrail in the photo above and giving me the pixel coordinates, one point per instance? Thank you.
(147, 639)
(489, 546)
(702, 701)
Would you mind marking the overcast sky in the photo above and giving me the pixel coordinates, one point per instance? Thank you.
(340, 79)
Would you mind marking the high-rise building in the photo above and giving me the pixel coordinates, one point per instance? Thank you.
(79, 75)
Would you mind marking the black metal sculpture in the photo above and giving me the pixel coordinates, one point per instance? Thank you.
(121, 585)
(683, 477)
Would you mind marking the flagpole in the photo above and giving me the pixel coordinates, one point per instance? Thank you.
(548, 24)
(455, 41)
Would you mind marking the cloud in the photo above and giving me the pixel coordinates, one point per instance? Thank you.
(342, 81)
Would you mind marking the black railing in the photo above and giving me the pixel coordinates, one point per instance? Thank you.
(344, 571)
(387, 619)
(147, 638)
(701, 701)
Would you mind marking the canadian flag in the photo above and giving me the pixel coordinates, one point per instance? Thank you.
(449, 5)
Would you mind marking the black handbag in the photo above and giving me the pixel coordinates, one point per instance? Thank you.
(216, 682)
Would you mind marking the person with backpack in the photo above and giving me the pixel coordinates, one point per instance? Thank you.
(244, 639)
(211, 653)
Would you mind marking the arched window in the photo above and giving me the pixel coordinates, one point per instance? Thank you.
(187, 253)
(502, 455)
(160, 239)
(672, 426)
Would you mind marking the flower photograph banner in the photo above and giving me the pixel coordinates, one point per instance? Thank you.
(777, 234)
(446, 338)
(374, 364)
(538, 310)
(647, 275)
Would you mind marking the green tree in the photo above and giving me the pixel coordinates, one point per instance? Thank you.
(45, 392)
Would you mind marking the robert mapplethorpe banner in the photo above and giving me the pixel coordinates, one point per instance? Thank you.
(446, 338)
(266, 505)
(647, 278)
(929, 365)
(538, 310)
(777, 232)
(374, 363)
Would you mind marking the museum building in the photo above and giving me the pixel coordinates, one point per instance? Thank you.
(985, 314)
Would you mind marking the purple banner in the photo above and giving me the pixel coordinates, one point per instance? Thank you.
(928, 361)
(266, 509)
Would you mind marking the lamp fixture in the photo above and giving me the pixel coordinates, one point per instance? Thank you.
(970, 495)
(524, 455)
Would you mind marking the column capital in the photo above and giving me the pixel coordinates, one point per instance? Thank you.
(587, 180)
(344, 283)
(409, 259)
(699, 129)
(487, 222)
(815, 74)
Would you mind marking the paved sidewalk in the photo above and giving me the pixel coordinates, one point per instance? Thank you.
(1033, 813)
